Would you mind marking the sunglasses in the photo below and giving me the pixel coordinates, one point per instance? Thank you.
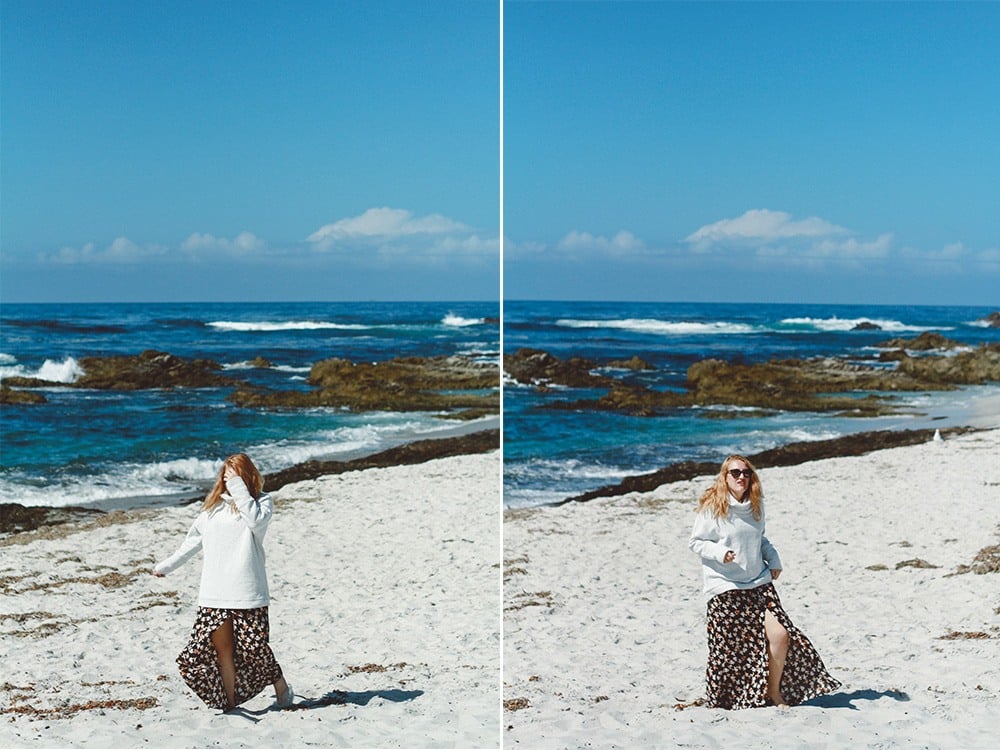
(735, 473)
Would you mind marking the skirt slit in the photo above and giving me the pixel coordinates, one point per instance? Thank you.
(256, 667)
(737, 652)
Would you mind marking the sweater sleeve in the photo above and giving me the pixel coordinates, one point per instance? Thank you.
(255, 512)
(770, 554)
(704, 540)
(190, 545)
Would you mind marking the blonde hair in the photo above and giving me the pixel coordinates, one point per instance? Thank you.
(243, 466)
(716, 497)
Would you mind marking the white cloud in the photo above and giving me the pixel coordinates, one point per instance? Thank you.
(777, 237)
(761, 226)
(852, 248)
(121, 250)
(244, 243)
(527, 248)
(381, 225)
(622, 243)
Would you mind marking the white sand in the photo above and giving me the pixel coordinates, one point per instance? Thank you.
(605, 624)
(397, 568)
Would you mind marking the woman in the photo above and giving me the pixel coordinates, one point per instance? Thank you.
(756, 656)
(227, 660)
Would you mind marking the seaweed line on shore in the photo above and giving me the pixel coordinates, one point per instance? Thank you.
(791, 454)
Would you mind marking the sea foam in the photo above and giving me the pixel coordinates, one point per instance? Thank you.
(652, 325)
(67, 371)
(290, 325)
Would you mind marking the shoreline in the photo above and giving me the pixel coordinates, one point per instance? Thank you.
(16, 518)
(790, 454)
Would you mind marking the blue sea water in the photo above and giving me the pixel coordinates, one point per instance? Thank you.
(115, 449)
(553, 454)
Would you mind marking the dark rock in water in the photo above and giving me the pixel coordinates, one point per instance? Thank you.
(261, 363)
(635, 363)
(925, 342)
(976, 367)
(10, 396)
(416, 452)
(15, 518)
(401, 384)
(867, 325)
(407, 373)
(535, 367)
(151, 369)
(794, 385)
(787, 455)
(992, 320)
(17, 381)
(634, 400)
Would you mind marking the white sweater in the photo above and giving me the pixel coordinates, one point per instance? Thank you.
(232, 573)
(754, 556)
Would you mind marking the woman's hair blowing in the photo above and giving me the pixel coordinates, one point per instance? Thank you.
(243, 466)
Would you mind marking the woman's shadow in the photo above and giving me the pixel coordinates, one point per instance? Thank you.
(357, 698)
(846, 700)
(333, 698)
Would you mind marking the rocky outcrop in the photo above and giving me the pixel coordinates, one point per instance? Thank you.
(401, 384)
(976, 367)
(151, 369)
(636, 363)
(536, 367)
(823, 384)
(992, 320)
(10, 396)
(796, 385)
(925, 342)
(867, 325)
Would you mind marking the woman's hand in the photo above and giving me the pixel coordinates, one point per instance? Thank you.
(730, 556)
(775, 572)
(228, 472)
(158, 575)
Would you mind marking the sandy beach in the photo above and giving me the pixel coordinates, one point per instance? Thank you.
(604, 626)
(384, 616)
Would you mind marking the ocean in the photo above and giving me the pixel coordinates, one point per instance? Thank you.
(550, 454)
(108, 449)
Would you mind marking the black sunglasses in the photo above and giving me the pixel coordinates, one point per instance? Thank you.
(735, 473)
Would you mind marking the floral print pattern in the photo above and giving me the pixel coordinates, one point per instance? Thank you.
(737, 653)
(256, 667)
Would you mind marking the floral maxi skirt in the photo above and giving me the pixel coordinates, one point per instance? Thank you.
(256, 667)
(737, 653)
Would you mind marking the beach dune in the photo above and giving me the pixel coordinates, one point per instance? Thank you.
(890, 567)
(385, 593)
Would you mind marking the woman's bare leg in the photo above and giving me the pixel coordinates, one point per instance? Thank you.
(777, 650)
(225, 650)
(280, 686)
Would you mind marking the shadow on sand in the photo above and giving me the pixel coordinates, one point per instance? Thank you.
(333, 698)
(846, 700)
(361, 698)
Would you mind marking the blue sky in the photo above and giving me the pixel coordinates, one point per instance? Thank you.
(786, 152)
(158, 151)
